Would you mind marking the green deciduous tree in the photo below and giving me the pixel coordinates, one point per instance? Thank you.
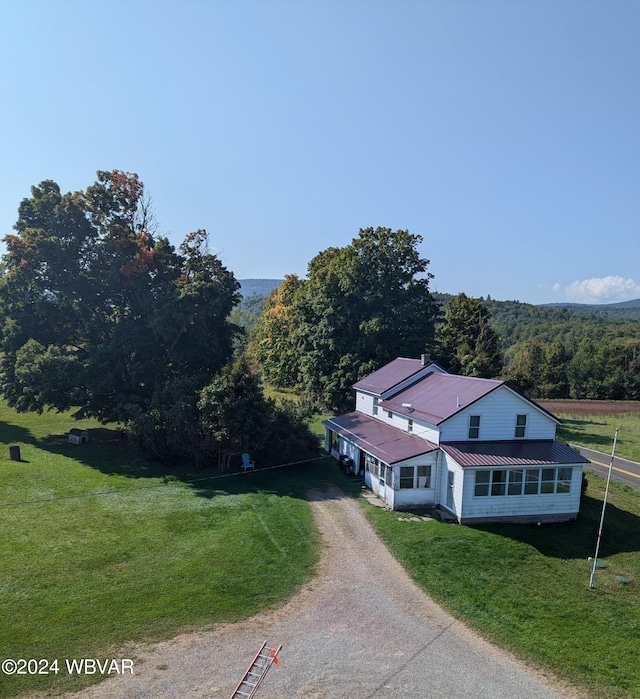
(102, 315)
(360, 306)
(273, 340)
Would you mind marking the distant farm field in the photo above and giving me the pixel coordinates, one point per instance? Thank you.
(592, 424)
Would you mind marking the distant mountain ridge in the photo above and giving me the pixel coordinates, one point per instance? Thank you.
(623, 309)
(259, 287)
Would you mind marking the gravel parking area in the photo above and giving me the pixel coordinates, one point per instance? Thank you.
(360, 629)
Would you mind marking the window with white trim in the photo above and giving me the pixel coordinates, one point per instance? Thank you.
(521, 426)
(372, 465)
(518, 481)
(415, 476)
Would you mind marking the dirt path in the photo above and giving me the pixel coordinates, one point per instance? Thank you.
(360, 629)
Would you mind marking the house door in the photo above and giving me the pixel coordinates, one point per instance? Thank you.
(381, 482)
(361, 464)
(450, 483)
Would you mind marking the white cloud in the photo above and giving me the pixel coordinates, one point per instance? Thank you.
(602, 290)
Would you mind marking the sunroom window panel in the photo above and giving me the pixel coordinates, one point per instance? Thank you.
(564, 480)
(532, 481)
(498, 482)
(548, 481)
(483, 479)
(515, 482)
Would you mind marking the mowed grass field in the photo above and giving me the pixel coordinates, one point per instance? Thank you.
(99, 549)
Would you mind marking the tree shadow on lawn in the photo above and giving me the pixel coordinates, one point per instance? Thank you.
(577, 540)
(107, 451)
(14, 434)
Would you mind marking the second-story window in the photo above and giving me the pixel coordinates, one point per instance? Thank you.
(474, 426)
(410, 425)
(375, 406)
(521, 425)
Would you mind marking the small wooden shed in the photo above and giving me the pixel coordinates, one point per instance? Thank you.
(77, 436)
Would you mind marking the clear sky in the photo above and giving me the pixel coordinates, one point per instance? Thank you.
(506, 133)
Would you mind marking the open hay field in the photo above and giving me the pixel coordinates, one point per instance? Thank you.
(592, 424)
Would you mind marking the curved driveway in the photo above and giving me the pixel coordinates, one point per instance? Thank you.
(360, 629)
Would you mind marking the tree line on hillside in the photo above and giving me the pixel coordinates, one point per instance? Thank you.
(103, 316)
(543, 352)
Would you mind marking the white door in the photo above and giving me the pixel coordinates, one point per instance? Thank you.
(451, 477)
(381, 482)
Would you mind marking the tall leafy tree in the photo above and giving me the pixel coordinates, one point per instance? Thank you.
(360, 306)
(466, 342)
(102, 315)
(235, 415)
(273, 341)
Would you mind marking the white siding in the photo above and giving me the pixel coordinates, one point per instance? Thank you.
(497, 412)
(429, 432)
(406, 498)
(364, 403)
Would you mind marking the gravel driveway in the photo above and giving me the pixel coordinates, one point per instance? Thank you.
(360, 629)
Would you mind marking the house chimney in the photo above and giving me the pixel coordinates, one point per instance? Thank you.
(425, 359)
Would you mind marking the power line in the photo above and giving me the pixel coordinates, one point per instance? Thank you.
(152, 485)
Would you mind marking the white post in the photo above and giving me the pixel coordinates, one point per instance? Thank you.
(594, 562)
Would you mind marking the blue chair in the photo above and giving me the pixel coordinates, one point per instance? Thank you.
(247, 463)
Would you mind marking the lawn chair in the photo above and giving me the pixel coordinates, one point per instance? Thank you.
(247, 463)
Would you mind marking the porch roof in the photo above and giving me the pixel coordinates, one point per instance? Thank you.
(386, 443)
(539, 452)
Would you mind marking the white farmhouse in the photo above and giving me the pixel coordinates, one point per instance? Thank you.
(425, 438)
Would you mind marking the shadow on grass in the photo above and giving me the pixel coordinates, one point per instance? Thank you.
(577, 540)
(11, 434)
(107, 451)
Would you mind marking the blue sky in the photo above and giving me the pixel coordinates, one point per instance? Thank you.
(506, 133)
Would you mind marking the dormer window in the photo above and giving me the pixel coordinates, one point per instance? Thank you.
(521, 426)
(474, 426)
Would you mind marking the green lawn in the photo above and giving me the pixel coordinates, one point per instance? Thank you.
(526, 587)
(99, 548)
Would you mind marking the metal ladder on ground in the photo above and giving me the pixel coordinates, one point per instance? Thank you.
(256, 671)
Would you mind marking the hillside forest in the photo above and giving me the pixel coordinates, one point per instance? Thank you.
(589, 352)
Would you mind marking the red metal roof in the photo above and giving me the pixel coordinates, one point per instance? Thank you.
(439, 396)
(390, 375)
(389, 444)
(543, 452)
